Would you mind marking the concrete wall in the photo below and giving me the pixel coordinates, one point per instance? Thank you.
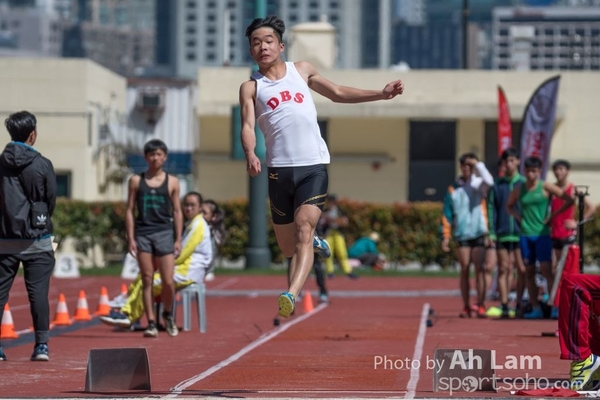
(70, 98)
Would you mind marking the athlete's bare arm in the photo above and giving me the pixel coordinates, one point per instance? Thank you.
(556, 191)
(247, 94)
(134, 183)
(345, 94)
(513, 198)
(174, 191)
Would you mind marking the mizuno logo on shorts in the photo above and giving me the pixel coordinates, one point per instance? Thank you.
(273, 175)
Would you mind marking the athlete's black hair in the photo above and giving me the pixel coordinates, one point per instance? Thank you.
(20, 125)
(153, 145)
(271, 21)
(533, 162)
(510, 152)
(561, 163)
(464, 157)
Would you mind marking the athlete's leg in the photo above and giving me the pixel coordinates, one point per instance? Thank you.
(165, 259)
(147, 270)
(478, 260)
(307, 217)
(491, 261)
(521, 274)
(463, 254)
(503, 272)
(166, 269)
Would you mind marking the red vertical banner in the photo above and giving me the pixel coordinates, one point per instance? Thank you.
(504, 125)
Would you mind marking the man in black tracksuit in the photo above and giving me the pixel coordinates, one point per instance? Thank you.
(27, 200)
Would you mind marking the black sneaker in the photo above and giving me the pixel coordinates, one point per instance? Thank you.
(352, 275)
(40, 352)
(2, 355)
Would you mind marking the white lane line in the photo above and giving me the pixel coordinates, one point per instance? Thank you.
(411, 387)
(227, 283)
(180, 387)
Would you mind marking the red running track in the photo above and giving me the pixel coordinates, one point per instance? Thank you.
(328, 353)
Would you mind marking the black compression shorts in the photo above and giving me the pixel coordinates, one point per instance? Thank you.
(292, 187)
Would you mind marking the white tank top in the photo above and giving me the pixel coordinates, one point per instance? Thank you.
(286, 114)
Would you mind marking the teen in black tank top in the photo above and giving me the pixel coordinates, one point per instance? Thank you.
(154, 207)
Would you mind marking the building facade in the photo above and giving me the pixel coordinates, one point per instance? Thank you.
(546, 38)
(30, 32)
(194, 33)
(79, 106)
(406, 149)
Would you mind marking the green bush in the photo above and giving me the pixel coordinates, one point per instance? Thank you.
(409, 231)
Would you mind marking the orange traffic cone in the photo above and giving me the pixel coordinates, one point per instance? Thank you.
(307, 302)
(82, 313)
(103, 306)
(62, 312)
(8, 327)
(124, 291)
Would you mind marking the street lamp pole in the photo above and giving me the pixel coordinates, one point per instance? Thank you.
(258, 254)
(465, 32)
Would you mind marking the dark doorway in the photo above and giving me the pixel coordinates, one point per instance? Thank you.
(432, 164)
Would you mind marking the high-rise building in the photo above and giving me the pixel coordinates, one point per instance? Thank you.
(29, 31)
(118, 34)
(546, 38)
(194, 33)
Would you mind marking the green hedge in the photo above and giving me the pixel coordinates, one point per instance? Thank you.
(409, 231)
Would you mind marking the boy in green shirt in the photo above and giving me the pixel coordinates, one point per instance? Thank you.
(534, 199)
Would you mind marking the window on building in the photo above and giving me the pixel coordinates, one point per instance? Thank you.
(211, 4)
(313, 17)
(293, 4)
(293, 18)
(63, 184)
(334, 4)
(191, 43)
(211, 17)
(191, 30)
(210, 56)
(211, 30)
(314, 4)
(191, 56)
(16, 24)
(333, 18)
(210, 43)
(191, 4)
(191, 17)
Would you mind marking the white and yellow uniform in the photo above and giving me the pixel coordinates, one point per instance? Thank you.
(190, 266)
